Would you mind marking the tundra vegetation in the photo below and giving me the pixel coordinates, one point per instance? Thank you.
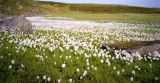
(65, 51)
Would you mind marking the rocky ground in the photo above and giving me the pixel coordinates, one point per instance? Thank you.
(16, 23)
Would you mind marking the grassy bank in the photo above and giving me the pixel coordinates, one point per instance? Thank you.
(131, 18)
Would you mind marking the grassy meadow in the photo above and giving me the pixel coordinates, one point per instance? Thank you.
(101, 17)
(45, 57)
(104, 13)
(75, 55)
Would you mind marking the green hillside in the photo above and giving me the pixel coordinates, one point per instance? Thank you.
(108, 8)
(104, 8)
(59, 4)
(18, 7)
(104, 12)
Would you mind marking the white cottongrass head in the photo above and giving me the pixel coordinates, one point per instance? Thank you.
(131, 78)
(44, 77)
(156, 78)
(38, 77)
(48, 79)
(150, 65)
(55, 63)
(95, 68)
(1, 57)
(123, 70)
(114, 68)
(10, 66)
(13, 61)
(22, 65)
(102, 61)
(63, 65)
(85, 73)
(70, 80)
(77, 70)
(118, 72)
(81, 77)
(133, 72)
(59, 80)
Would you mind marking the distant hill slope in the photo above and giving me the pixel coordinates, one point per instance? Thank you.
(104, 8)
(59, 4)
(19, 7)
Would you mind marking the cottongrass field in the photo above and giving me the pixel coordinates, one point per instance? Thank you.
(65, 53)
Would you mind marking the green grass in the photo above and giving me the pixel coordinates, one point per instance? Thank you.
(105, 13)
(31, 7)
(103, 8)
(34, 67)
(109, 8)
(21, 7)
(129, 18)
